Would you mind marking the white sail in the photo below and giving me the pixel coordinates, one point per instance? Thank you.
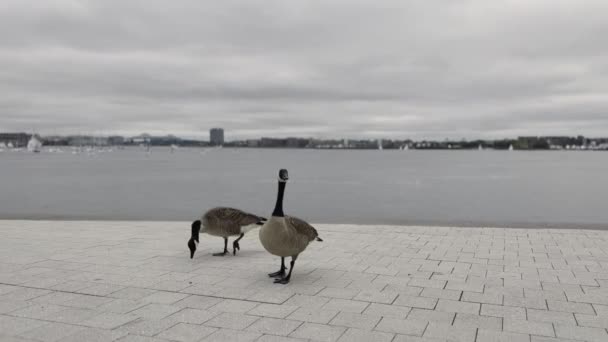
(34, 144)
(510, 147)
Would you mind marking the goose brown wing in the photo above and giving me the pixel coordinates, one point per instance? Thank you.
(235, 216)
(302, 227)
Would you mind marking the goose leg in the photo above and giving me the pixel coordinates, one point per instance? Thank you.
(235, 244)
(286, 279)
(225, 248)
(281, 272)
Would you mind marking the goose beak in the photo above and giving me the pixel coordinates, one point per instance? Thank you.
(192, 247)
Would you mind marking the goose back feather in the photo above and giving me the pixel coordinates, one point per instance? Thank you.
(226, 222)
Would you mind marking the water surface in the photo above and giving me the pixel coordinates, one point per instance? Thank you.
(497, 188)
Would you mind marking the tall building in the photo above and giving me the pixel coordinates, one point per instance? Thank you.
(216, 136)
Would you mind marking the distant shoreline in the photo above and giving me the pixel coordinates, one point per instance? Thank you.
(459, 224)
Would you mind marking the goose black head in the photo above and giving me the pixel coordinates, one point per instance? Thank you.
(196, 228)
(283, 175)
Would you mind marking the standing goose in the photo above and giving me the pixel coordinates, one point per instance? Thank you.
(224, 222)
(285, 235)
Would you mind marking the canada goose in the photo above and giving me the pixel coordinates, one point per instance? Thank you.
(285, 235)
(224, 222)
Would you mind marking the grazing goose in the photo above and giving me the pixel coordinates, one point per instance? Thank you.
(224, 222)
(285, 235)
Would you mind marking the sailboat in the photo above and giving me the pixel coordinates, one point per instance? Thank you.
(380, 144)
(34, 145)
(511, 147)
(480, 147)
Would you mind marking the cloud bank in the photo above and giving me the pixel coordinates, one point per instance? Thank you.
(340, 68)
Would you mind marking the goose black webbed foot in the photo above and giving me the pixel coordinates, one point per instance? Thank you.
(283, 281)
(235, 247)
(279, 274)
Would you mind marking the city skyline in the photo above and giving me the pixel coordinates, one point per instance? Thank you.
(420, 69)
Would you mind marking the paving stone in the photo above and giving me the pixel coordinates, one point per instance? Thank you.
(582, 308)
(313, 315)
(155, 311)
(410, 338)
(416, 302)
(226, 335)
(94, 335)
(306, 301)
(384, 310)
(384, 297)
(197, 302)
(100, 289)
(338, 293)
(193, 316)
(475, 297)
(503, 311)
(318, 332)
(233, 305)
(431, 316)
(38, 311)
(440, 293)
(72, 315)
(581, 333)
(592, 321)
(24, 293)
(431, 284)
(146, 327)
(186, 332)
(449, 332)
(136, 338)
(162, 297)
(274, 338)
(401, 326)
(532, 303)
(495, 336)
(478, 321)
(14, 326)
(528, 327)
(231, 320)
(346, 305)
(355, 320)
(274, 326)
(550, 339)
(358, 335)
(52, 332)
(446, 305)
(133, 293)
(108, 320)
(564, 318)
(7, 306)
(272, 310)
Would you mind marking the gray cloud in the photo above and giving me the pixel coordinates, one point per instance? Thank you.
(390, 68)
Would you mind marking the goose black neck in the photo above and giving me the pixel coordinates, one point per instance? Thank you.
(278, 208)
(196, 228)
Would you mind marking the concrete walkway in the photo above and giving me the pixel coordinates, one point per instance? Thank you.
(134, 281)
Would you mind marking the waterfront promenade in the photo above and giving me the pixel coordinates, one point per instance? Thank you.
(134, 281)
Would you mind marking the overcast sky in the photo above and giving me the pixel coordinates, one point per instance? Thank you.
(332, 68)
